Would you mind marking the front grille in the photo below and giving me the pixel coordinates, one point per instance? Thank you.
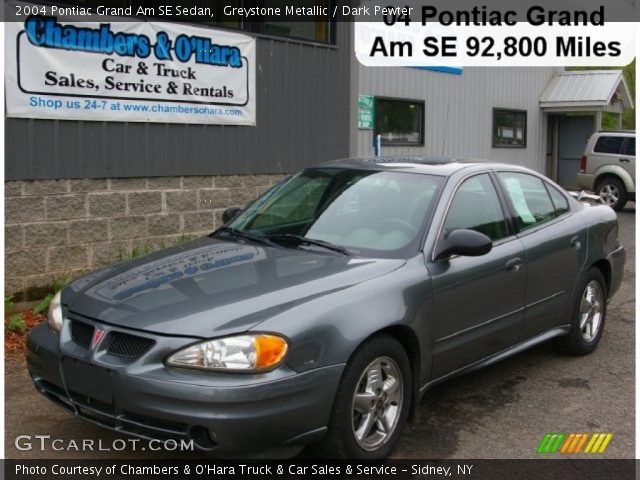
(81, 333)
(128, 346)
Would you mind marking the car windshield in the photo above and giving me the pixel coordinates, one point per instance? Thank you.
(370, 213)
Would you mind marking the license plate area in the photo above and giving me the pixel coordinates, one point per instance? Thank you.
(86, 383)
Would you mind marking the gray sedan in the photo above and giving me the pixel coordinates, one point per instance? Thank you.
(321, 313)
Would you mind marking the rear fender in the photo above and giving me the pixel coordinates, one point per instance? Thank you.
(615, 171)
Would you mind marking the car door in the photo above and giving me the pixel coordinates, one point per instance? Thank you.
(555, 244)
(477, 301)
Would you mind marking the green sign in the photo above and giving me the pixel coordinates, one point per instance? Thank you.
(365, 112)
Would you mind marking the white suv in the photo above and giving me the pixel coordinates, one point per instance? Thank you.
(608, 167)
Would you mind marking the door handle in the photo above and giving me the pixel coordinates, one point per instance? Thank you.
(575, 243)
(624, 160)
(514, 265)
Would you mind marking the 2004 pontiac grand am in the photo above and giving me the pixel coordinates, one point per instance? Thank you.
(324, 310)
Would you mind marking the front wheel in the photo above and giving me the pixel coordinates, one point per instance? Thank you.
(613, 192)
(589, 314)
(372, 402)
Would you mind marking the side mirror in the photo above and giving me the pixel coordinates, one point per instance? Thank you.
(468, 243)
(230, 213)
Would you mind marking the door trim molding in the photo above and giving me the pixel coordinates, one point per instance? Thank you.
(496, 357)
(473, 327)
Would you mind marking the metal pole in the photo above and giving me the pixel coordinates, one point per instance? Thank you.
(377, 142)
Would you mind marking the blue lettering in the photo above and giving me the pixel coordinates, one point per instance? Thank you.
(34, 26)
(183, 48)
(144, 47)
(47, 32)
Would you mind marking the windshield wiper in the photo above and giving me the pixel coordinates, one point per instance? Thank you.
(244, 234)
(309, 241)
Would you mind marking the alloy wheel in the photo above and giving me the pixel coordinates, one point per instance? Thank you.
(591, 309)
(377, 403)
(609, 194)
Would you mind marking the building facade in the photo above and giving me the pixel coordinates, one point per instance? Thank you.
(83, 194)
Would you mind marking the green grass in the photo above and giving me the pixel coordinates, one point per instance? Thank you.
(17, 324)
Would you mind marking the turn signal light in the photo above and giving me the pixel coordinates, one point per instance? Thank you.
(269, 350)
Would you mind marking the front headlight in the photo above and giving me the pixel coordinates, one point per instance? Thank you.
(55, 313)
(248, 353)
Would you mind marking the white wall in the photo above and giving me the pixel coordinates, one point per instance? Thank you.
(458, 110)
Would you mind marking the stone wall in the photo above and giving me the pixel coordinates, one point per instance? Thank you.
(57, 229)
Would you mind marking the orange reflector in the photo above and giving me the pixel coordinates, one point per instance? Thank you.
(269, 350)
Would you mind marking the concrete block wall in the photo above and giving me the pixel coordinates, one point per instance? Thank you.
(56, 229)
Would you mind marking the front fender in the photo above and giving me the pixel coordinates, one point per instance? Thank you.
(328, 329)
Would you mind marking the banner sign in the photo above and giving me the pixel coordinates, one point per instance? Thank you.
(129, 72)
(366, 112)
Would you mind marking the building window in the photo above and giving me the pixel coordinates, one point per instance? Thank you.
(314, 29)
(227, 21)
(509, 128)
(400, 122)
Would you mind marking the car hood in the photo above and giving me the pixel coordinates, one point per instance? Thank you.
(212, 287)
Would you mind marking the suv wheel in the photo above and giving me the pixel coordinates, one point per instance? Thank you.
(613, 192)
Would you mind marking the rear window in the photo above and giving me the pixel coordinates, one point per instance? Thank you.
(630, 147)
(529, 198)
(609, 145)
(559, 200)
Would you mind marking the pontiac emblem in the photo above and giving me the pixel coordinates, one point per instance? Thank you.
(97, 336)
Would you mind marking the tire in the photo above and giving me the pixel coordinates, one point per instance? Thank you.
(613, 192)
(589, 309)
(347, 435)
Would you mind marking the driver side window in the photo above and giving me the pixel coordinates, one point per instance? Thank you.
(475, 206)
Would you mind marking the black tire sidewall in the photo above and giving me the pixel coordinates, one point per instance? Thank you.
(341, 437)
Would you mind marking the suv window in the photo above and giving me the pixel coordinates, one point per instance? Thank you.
(609, 145)
(476, 206)
(529, 198)
(630, 147)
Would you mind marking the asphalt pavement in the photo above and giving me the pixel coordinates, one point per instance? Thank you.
(502, 411)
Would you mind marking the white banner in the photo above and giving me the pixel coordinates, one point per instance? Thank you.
(412, 44)
(129, 72)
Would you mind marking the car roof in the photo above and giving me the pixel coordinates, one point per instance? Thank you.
(430, 165)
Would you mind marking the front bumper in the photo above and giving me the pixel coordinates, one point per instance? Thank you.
(219, 412)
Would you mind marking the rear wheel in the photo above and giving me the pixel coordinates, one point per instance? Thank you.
(372, 402)
(589, 314)
(613, 192)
